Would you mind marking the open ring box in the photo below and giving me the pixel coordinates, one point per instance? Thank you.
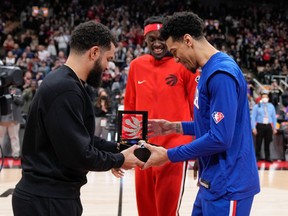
(132, 128)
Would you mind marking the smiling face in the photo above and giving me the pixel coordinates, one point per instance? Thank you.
(156, 44)
(183, 53)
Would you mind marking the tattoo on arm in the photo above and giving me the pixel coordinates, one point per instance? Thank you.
(178, 128)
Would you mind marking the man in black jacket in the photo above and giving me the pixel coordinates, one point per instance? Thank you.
(59, 146)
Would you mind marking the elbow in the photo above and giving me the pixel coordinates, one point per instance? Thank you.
(222, 142)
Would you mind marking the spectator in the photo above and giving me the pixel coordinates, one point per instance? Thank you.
(62, 39)
(23, 61)
(250, 85)
(275, 94)
(120, 55)
(251, 102)
(17, 51)
(8, 43)
(34, 63)
(60, 60)
(10, 59)
(25, 40)
(43, 53)
(27, 79)
(30, 54)
(102, 108)
(12, 121)
(43, 68)
(27, 95)
(263, 121)
(51, 48)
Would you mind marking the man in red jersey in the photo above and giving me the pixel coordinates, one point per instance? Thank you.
(164, 88)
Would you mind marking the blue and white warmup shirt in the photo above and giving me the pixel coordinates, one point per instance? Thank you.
(224, 144)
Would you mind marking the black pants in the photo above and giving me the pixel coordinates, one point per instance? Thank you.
(29, 205)
(264, 131)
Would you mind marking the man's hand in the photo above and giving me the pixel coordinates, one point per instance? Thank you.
(117, 172)
(158, 127)
(254, 131)
(131, 161)
(158, 156)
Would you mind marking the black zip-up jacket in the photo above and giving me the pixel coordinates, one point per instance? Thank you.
(59, 146)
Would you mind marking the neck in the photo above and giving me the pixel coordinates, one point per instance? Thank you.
(81, 70)
(206, 51)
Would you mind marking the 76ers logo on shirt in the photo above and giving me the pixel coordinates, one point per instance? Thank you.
(217, 117)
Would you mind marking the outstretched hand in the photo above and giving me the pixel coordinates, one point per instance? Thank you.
(158, 156)
(158, 127)
(131, 161)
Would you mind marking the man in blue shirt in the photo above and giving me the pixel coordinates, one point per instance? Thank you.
(228, 174)
(263, 122)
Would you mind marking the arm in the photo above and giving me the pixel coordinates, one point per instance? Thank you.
(223, 98)
(104, 145)
(17, 98)
(71, 140)
(218, 138)
(160, 127)
(188, 128)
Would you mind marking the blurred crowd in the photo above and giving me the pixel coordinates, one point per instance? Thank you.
(35, 36)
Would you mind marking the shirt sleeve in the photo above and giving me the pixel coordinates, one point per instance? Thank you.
(188, 128)
(104, 145)
(71, 140)
(222, 90)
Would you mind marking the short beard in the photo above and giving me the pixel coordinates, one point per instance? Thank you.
(193, 70)
(95, 76)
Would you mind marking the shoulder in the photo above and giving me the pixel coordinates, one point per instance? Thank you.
(61, 80)
(256, 105)
(271, 105)
(142, 59)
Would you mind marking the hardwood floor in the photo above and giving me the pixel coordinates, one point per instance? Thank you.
(100, 196)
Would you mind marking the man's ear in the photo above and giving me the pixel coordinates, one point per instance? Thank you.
(188, 40)
(94, 52)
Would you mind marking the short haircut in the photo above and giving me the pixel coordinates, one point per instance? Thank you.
(181, 23)
(153, 19)
(89, 34)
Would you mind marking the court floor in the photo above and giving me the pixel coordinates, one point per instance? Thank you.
(100, 196)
